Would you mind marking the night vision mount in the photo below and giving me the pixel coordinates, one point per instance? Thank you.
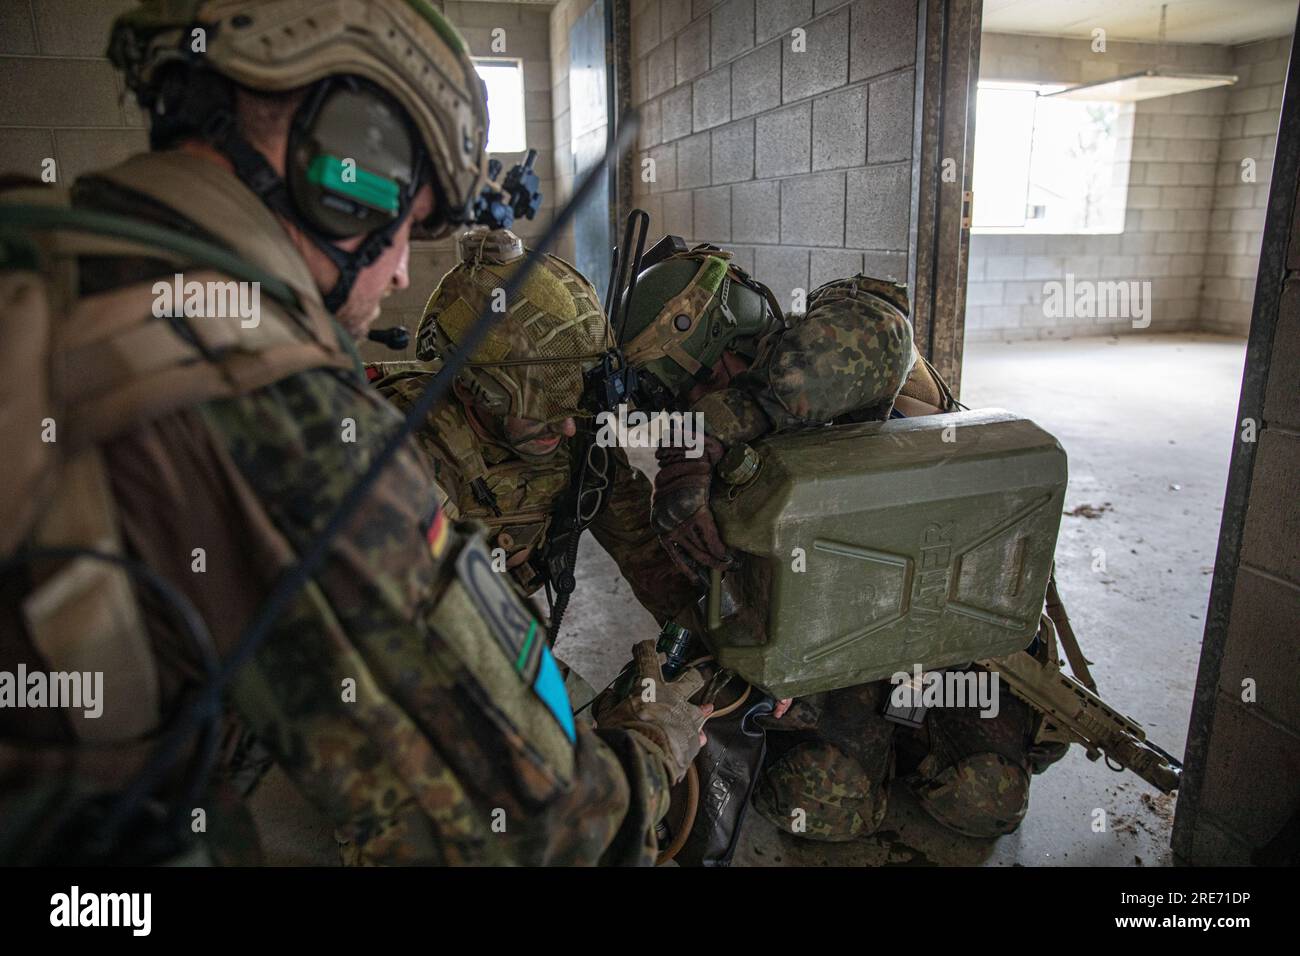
(518, 196)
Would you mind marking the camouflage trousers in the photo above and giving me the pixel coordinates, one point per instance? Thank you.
(833, 757)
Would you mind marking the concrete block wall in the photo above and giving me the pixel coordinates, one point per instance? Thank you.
(63, 99)
(562, 18)
(797, 162)
(1249, 132)
(1243, 751)
(1174, 153)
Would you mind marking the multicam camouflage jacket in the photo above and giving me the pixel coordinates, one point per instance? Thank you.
(844, 360)
(516, 499)
(385, 690)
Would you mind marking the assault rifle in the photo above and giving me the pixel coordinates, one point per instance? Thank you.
(608, 385)
(1071, 709)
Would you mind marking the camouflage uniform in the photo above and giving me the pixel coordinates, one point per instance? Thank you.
(834, 755)
(480, 476)
(447, 735)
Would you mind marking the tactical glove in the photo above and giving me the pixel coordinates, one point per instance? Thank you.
(642, 700)
(680, 512)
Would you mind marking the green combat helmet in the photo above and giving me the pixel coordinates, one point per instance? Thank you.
(531, 364)
(685, 311)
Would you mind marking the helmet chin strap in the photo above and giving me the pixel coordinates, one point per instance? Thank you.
(256, 173)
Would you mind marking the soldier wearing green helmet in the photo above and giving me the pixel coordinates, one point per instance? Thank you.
(705, 337)
(402, 688)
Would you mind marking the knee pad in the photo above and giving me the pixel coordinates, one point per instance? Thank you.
(817, 791)
(983, 795)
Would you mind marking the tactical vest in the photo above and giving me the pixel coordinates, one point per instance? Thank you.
(84, 362)
(513, 498)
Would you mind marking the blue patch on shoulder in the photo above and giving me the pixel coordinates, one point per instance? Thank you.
(549, 686)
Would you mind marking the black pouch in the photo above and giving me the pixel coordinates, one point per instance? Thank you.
(728, 767)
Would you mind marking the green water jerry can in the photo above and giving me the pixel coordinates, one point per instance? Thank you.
(868, 549)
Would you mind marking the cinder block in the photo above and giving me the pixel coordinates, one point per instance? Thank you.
(984, 293)
(743, 257)
(694, 161)
(778, 16)
(784, 271)
(756, 212)
(828, 265)
(700, 7)
(76, 28)
(889, 133)
(812, 210)
(677, 113)
(1282, 399)
(645, 31)
(883, 37)
(676, 14)
(756, 81)
(713, 214)
(878, 207)
(662, 69)
(1243, 751)
(823, 65)
(839, 133)
(1004, 267)
(782, 141)
(1271, 536)
(22, 151)
(885, 265)
(83, 150)
(17, 31)
(733, 152)
(58, 92)
(732, 29)
(678, 215)
(1261, 124)
(713, 99)
(651, 132)
(665, 168)
(693, 51)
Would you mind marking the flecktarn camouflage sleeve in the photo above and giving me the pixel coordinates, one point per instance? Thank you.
(624, 530)
(852, 352)
(390, 691)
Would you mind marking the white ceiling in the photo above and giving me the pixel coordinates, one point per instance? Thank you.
(1189, 21)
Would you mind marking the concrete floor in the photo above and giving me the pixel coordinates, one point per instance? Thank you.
(1148, 423)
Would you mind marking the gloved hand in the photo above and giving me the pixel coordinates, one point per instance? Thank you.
(680, 511)
(642, 700)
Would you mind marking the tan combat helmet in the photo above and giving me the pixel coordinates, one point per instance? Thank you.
(391, 101)
(532, 363)
(405, 47)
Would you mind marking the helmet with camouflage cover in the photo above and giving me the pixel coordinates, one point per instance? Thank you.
(533, 362)
(685, 312)
(391, 101)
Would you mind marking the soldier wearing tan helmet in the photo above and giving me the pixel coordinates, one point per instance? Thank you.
(404, 689)
(501, 446)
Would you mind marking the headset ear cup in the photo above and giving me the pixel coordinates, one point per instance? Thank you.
(352, 161)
